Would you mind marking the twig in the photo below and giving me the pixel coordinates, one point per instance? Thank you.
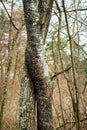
(9, 15)
(56, 74)
(68, 122)
(74, 10)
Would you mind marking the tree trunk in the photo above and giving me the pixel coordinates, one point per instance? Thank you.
(37, 68)
(26, 111)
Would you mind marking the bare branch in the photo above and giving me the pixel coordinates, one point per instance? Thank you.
(56, 74)
(81, 120)
(9, 16)
(74, 10)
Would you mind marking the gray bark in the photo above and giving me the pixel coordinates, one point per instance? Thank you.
(37, 68)
(26, 111)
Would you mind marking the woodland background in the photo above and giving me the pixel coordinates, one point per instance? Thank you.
(67, 64)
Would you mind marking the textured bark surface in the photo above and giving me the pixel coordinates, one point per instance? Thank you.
(26, 117)
(45, 9)
(37, 68)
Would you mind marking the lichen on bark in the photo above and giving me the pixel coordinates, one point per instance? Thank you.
(26, 111)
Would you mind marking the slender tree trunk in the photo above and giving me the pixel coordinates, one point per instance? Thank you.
(76, 98)
(37, 68)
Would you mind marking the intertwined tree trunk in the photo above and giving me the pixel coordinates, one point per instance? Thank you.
(37, 70)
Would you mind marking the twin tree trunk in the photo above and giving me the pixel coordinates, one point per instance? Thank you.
(35, 83)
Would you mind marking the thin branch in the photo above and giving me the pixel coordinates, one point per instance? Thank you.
(79, 46)
(74, 10)
(73, 69)
(9, 15)
(82, 22)
(81, 120)
(77, 20)
(56, 74)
